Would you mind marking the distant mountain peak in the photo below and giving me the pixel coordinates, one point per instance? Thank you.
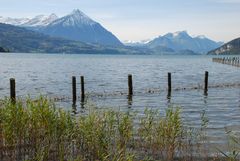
(181, 40)
(13, 21)
(41, 20)
(78, 12)
(201, 37)
(53, 15)
(180, 33)
(74, 26)
(75, 18)
(136, 43)
(81, 17)
(78, 26)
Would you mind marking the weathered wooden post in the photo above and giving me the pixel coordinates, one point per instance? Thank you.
(130, 85)
(12, 90)
(169, 83)
(74, 90)
(82, 89)
(206, 82)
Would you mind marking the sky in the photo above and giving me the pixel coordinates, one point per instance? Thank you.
(142, 19)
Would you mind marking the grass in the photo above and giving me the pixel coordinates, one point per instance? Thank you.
(37, 130)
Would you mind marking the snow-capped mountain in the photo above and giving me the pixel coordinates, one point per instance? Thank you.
(20, 40)
(13, 21)
(136, 43)
(201, 37)
(40, 20)
(80, 27)
(76, 18)
(183, 41)
(75, 26)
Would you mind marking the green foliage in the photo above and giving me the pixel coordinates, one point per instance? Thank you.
(37, 124)
(49, 133)
(105, 134)
(162, 134)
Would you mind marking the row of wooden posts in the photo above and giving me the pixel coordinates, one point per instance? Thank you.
(74, 87)
(234, 61)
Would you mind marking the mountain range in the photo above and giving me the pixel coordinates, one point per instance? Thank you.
(21, 40)
(183, 41)
(179, 42)
(77, 27)
(37, 21)
(74, 26)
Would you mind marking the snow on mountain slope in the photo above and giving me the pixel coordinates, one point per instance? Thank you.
(13, 21)
(80, 27)
(40, 20)
(181, 40)
(75, 26)
(136, 43)
(76, 18)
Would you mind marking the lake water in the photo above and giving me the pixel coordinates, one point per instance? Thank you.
(106, 84)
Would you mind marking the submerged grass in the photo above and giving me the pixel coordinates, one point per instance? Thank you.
(38, 130)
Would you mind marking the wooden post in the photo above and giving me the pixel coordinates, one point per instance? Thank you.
(129, 101)
(82, 89)
(74, 90)
(12, 90)
(130, 86)
(169, 83)
(206, 82)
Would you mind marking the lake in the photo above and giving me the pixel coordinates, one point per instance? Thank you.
(106, 84)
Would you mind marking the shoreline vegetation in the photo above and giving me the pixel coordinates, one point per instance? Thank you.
(38, 130)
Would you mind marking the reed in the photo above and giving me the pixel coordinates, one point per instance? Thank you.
(36, 126)
(161, 136)
(38, 130)
(233, 153)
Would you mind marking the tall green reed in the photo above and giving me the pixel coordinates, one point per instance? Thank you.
(37, 124)
(161, 135)
(38, 130)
